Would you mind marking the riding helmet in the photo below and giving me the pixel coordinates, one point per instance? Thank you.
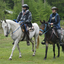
(54, 8)
(25, 6)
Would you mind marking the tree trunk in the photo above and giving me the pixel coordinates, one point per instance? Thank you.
(44, 1)
(22, 2)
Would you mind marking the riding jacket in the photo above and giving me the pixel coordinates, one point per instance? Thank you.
(55, 19)
(26, 17)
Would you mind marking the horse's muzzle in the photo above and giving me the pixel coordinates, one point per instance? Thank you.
(40, 33)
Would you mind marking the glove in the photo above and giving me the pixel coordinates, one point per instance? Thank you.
(15, 20)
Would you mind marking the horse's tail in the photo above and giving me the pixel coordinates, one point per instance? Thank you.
(37, 42)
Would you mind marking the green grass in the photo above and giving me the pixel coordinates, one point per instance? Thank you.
(27, 58)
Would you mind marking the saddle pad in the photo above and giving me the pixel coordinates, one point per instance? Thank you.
(30, 28)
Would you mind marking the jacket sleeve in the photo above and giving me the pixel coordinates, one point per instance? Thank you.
(58, 19)
(49, 20)
(29, 17)
(19, 16)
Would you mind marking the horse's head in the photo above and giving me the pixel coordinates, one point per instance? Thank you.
(5, 27)
(42, 27)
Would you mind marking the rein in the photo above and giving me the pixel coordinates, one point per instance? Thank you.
(17, 28)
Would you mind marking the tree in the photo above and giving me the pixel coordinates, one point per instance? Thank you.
(2, 7)
(59, 4)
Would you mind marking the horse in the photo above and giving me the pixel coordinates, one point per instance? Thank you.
(9, 26)
(51, 37)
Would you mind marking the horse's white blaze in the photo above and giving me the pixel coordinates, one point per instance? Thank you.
(18, 35)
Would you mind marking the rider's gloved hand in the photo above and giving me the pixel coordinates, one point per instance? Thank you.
(15, 20)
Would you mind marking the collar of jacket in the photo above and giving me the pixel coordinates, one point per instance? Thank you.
(26, 11)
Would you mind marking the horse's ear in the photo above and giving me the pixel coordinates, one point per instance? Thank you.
(41, 21)
(5, 21)
(1, 21)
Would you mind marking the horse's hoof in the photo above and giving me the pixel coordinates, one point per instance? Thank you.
(44, 58)
(57, 56)
(53, 57)
(10, 58)
(20, 57)
(33, 55)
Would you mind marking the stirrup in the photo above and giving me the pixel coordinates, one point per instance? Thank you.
(43, 42)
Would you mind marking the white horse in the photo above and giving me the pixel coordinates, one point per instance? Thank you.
(10, 26)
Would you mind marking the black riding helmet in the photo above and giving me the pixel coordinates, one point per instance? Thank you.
(25, 6)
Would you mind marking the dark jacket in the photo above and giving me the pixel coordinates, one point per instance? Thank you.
(55, 19)
(26, 18)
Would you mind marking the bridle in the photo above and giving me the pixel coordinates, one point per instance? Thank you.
(8, 29)
(45, 30)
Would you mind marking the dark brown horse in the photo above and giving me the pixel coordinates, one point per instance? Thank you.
(50, 37)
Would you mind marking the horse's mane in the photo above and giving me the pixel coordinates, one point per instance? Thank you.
(10, 21)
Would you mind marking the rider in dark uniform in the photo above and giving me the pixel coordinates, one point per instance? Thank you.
(55, 21)
(25, 16)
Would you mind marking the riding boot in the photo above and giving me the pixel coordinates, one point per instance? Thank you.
(27, 36)
(43, 42)
(13, 43)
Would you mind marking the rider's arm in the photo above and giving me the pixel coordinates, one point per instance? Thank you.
(29, 18)
(19, 16)
(58, 18)
(49, 21)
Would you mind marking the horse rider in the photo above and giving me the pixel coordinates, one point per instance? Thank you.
(25, 16)
(55, 21)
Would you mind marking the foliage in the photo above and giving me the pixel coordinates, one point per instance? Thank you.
(60, 5)
(2, 8)
(39, 9)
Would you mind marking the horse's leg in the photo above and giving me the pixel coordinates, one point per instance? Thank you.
(58, 49)
(54, 50)
(15, 44)
(46, 50)
(19, 50)
(32, 45)
(35, 45)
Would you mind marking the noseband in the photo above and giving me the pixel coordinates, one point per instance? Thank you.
(44, 31)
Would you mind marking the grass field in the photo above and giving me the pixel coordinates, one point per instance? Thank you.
(27, 58)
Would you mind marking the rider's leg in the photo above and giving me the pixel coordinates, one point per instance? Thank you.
(27, 35)
(43, 42)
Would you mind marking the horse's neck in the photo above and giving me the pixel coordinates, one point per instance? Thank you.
(13, 25)
(49, 30)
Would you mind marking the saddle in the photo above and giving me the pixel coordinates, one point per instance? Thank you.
(30, 29)
(26, 30)
(55, 32)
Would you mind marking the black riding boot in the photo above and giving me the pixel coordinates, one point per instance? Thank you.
(43, 42)
(27, 36)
